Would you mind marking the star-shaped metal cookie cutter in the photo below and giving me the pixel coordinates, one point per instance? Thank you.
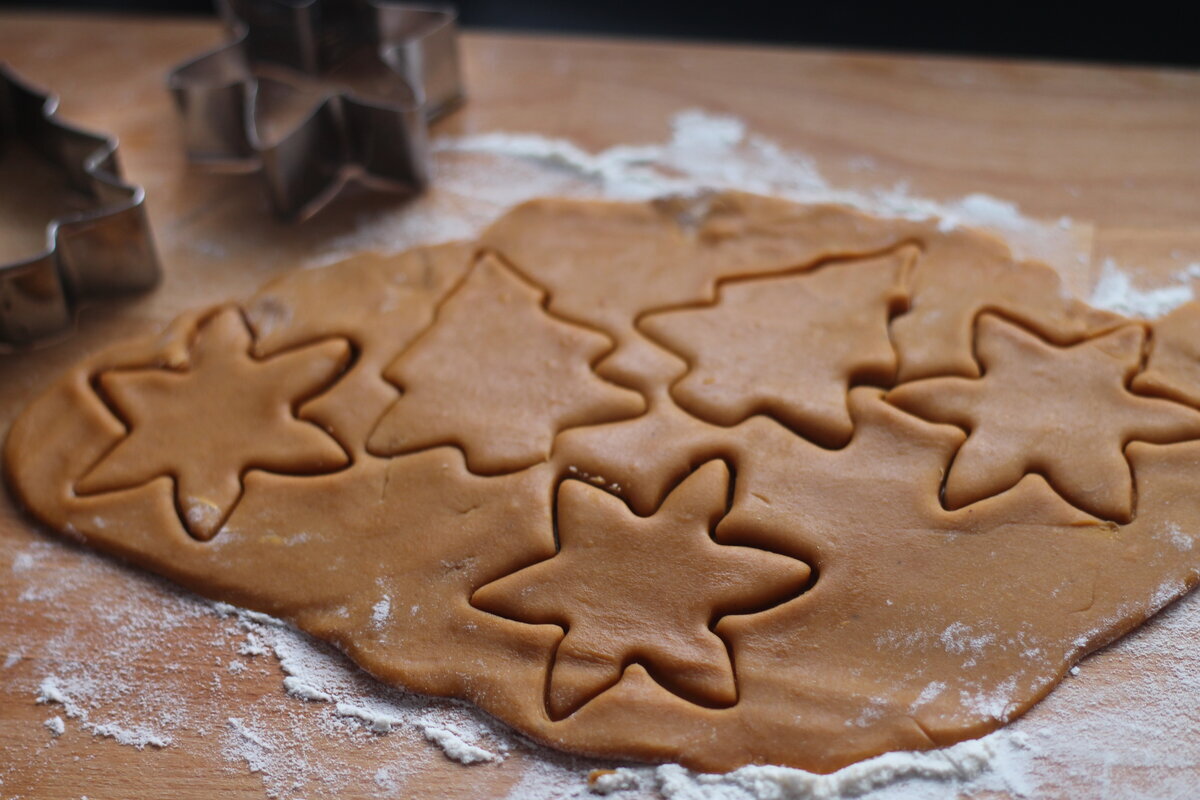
(315, 92)
(100, 249)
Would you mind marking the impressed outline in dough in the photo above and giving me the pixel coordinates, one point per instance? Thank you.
(888, 618)
(791, 344)
(597, 589)
(531, 371)
(231, 411)
(1032, 411)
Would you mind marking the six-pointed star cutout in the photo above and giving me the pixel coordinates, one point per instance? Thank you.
(226, 413)
(1063, 412)
(643, 589)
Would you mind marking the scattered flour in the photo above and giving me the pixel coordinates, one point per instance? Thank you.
(381, 611)
(995, 703)
(991, 764)
(248, 735)
(316, 673)
(136, 734)
(478, 176)
(455, 748)
(1180, 540)
(958, 638)
(1119, 730)
(298, 688)
(606, 782)
(928, 694)
(48, 692)
(385, 780)
(252, 646)
(1115, 291)
(377, 721)
(201, 512)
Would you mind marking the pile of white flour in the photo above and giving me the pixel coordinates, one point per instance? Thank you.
(1123, 726)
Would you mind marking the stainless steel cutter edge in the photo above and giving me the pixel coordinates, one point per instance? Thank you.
(216, 92)
(103, 251)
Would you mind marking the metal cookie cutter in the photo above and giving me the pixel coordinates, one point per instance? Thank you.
(315, 92)
(102, 249)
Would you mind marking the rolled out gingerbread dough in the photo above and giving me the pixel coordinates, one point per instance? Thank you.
(720, 480)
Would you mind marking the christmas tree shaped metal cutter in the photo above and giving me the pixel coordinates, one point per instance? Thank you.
(98, 243)
(317, 92)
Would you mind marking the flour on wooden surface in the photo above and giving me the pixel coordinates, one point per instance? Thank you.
(1116, 291)
(73, 693)
(975, 766)
(455, 748)
(478, 176)
(1118, 728)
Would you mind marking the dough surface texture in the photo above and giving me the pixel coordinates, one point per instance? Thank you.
(721, 480)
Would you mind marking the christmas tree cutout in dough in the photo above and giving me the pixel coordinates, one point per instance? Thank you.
(789, 346)
(630, 589)
(1063, 412)
(226, 413)
(498, 377)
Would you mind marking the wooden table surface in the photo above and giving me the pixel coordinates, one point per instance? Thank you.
(1115, 149)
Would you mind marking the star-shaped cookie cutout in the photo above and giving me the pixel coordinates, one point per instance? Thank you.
(225, 413)
(789, 346)
(647, 590)
(1062, 412)
(499, 377)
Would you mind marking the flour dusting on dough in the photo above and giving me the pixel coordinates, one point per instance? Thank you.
(1182, 542)
(381, 611)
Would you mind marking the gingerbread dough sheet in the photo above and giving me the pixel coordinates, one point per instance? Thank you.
(723, 480)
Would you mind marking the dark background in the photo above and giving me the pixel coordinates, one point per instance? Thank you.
(1122, 32)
